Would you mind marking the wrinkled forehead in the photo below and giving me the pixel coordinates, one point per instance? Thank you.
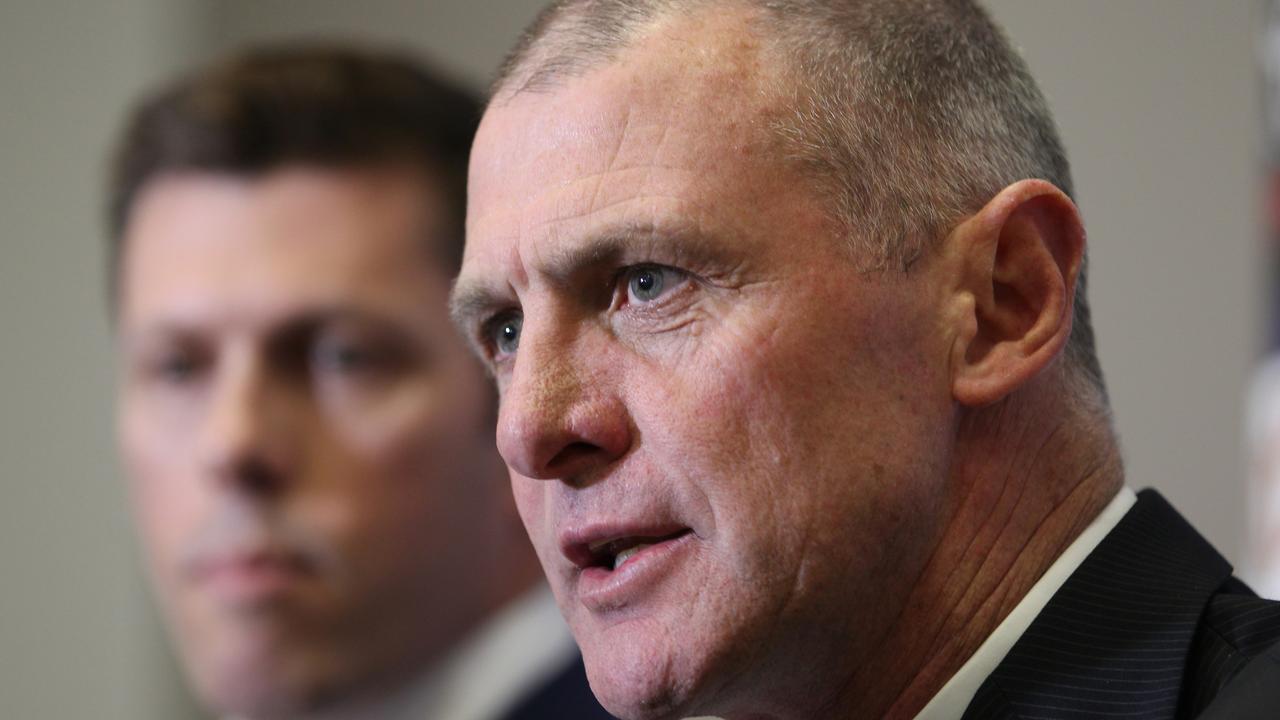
(697, 86)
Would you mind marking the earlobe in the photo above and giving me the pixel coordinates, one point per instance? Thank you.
(1017, 260)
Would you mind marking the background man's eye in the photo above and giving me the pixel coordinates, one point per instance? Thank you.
(648, 283)
(506, 334)
(173, 368)
(176, 369)
(342, 358)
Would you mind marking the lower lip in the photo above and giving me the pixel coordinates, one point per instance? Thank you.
(603, 590)
(250, 582)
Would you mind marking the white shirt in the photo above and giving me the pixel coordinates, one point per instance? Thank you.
(521, 647)
(951, 701)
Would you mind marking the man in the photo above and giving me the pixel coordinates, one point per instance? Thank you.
(327, 522)
(784, 301)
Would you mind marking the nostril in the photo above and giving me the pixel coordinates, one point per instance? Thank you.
(572, 458)
(254, 475)
(561, 438)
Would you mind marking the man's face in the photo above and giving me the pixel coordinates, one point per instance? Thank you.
(309, 443)
(727, 443)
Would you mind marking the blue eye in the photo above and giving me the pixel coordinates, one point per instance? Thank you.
(505, 334)
(648, 283)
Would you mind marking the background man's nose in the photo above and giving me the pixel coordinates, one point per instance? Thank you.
(244, 441)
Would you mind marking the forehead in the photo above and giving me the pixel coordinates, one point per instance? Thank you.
(687, 106)
(201, 245)
(684, 64)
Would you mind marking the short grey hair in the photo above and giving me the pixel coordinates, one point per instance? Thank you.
(912, 114)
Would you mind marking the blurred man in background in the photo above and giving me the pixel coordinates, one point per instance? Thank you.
(311, 448)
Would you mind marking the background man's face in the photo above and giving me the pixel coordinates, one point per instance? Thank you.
(700, 373)
(308, 440)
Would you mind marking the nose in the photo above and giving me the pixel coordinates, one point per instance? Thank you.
(244, 444)
(560, 417)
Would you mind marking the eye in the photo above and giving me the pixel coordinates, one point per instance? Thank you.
(349, 352)
(503, 334)
(342, 357)
(175, 369)
(647, 283)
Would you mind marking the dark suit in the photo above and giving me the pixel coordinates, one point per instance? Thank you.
(1152, 625)
(565, 697)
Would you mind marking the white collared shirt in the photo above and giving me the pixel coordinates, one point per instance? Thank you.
(951, 701)
(521, 647)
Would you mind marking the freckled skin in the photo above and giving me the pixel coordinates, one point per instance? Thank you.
(791, 410)
(387, 477)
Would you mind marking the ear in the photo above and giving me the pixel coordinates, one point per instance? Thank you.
(1016, 262)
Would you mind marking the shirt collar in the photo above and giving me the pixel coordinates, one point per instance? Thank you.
(523, 646)
(950, 702)
(520, 647)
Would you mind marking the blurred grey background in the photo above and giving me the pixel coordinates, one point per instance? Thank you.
(1158, 101)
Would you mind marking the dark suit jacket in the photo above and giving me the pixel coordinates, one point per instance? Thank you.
(1151, 626)
(565, 697)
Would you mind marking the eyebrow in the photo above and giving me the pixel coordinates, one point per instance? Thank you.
(308, 318)
(471, 300)
(474, 299)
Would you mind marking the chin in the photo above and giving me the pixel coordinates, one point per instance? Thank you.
(257, 685)
(250, 698)
(640, 670)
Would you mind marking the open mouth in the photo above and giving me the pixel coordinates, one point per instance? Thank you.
(614, 553)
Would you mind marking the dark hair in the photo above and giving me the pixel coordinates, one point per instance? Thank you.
(305, 104)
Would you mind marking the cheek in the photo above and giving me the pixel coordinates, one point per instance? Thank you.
(402, 473)
(381, 482)
(415, 438)
(794, 419)
(727, 407)
(381, 426)
(164, 487)
(432, 414)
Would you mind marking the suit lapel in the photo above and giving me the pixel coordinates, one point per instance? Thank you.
(1114, 639)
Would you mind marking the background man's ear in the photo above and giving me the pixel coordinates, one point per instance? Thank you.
(1017, 261)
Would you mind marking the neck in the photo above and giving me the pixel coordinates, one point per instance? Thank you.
(1023, 489)
(396, 702)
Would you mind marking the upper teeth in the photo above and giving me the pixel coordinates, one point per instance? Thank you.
(625, 554)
